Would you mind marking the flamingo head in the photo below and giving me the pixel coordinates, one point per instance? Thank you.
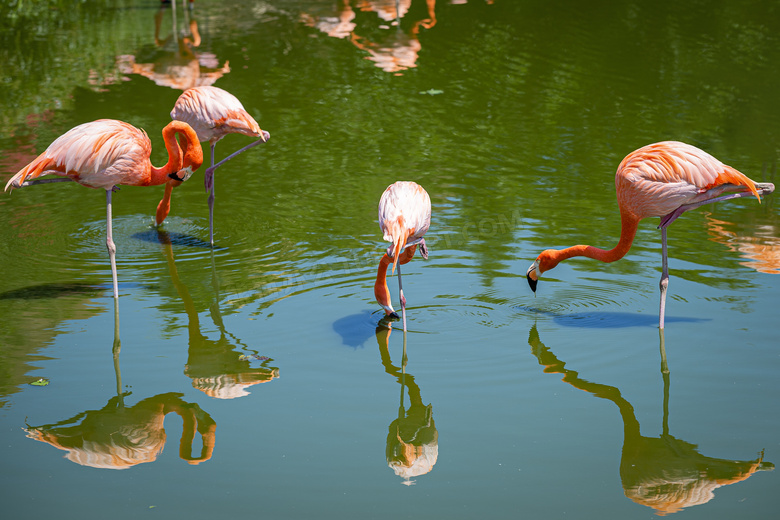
(181, 175)
(544, 262)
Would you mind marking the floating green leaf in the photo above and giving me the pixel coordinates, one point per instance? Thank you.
(40, 382)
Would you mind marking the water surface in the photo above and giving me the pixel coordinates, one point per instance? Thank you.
(263, 367)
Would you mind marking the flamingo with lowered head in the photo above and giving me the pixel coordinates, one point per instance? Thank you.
(404, 218)
(108, 153)
(214, 113)
(663, 180)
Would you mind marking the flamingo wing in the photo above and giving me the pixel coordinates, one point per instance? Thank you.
(98, 154)
(657, 179)
(213, 113)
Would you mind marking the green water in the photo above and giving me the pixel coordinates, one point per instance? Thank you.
(282, 394)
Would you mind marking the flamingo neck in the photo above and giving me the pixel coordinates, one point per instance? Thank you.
(192, 155)
(381, 291)
(629, 224)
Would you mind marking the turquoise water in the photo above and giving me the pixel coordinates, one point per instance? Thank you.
(261, 366)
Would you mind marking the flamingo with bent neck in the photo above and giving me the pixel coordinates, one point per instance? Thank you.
(663, 180)
(108, 153)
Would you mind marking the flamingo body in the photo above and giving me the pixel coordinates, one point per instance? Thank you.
(99, 154)
(404, 218)
(659, 180)
(107, 153)
(214, 113)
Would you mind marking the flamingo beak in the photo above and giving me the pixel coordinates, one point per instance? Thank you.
(532, 276)
(182, 175)
(265, 136)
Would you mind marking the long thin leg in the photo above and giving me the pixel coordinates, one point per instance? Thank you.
(664, 279)
(211, 200)
(763, 188)
(45, 181)
(401, 296)
(110, 242)
(209, 175)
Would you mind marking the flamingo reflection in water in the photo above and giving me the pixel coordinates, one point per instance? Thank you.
(664, 473)
(412, 439)
(761, 248)
(391, 40)
(119, 436)
(173, 61)
(216, 367)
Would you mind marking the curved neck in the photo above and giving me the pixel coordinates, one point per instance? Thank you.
(191, 156)
(629, 224)
(381, 291)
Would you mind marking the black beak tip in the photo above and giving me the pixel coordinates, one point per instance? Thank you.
(532, 283)
(393, 316)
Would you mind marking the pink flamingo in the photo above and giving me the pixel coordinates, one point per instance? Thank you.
(404, 218)
(214, 113)
(106, 154)
(659, 180)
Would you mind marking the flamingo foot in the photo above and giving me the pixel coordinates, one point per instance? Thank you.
(423, 249)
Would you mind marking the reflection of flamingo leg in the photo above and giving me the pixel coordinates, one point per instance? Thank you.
(115, 351)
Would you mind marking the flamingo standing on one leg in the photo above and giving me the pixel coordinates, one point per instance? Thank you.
(659, 180)
(106, 154)
(404, 218)
(214, 113)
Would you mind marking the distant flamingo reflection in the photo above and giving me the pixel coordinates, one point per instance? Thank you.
(174, 60)
(760, 248)
(664, 473)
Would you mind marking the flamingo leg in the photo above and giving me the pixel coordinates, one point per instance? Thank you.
(110, 242)
(209, 176)
(664, 279)
(423, 249)
(401, 296)
(210, 184)
(763, 189)
(45, 181)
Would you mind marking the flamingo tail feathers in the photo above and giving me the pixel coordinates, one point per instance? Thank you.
(731, 176)
(40, 166)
